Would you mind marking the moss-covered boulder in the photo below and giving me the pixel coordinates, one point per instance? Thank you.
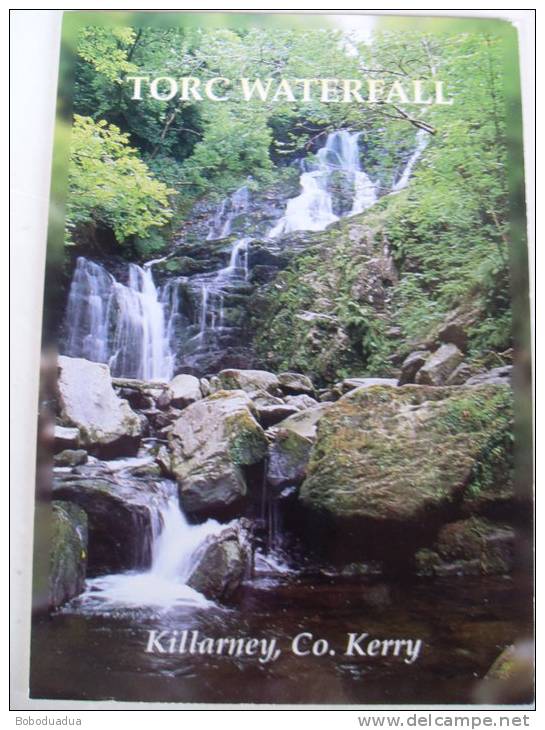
(251, 381)
(68, 554)
(119, 520)
(409, 454)
(107, 425)
(209, 444)
(469, 547)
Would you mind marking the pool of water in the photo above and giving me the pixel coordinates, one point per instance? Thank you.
(463, 624)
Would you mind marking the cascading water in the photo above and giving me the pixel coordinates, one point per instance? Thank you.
(421, 143)
(313, 209)
(123, 325)
(231, 207)
(175, 549)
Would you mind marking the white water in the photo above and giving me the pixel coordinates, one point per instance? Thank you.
(175, 546)
(312, 210)
(123, 325)
(230, 207)
(421, 143)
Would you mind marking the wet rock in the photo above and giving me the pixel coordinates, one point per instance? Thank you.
(510, 679)
(222, 563)
(496, 376)
(295, 384)
(288, 458)
(401, 455)
(411, 365)
(290, 450)
(107, 425)
(251, 381)
(119, 520)
(439, 365)
(66, 438)
(68, 554)
(70, 457)
(301, 402)
(476, 538)
(181, 392)
(209, 444)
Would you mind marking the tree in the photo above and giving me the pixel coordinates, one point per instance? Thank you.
(110, 185)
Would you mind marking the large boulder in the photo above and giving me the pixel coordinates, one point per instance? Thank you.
(208, 446)
(439, 365)
(181, 392)
(411, 365)
(120, 520)
(107, 425)
(68, 553)
(295, 384)
(496, 376)
(349, 384)
(222, 563)
(251, 381)
(408, 454)
(290, 450)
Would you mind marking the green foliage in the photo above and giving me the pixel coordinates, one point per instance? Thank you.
(109, 184)
(480, 413)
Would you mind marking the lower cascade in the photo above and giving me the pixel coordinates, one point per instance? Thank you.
(123, 325)
(175, 550)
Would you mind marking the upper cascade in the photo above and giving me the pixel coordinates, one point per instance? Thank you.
(146, 332)
(336, 169)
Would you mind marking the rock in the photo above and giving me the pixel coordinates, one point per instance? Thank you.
(510, 679)
(222, 563)
(295, 384)
(119, 520)
(301, 402)
(476, 540)
(181, 392)
(453, 333)
(351, 384)
(66, 438)
(496, 376)
(205, 387)
(288, 458)
(403, 455)
(209, 444)
(411, 365)
(363, 383)
(290, 449)
(68, 554)
(305, 422)
(271, 410)
(69, 457)
(251, 381)
(107, 425)
(439, 365)
(460, 374)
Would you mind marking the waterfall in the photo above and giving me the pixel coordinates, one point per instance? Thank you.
(231, 207)
(337, 161)
(421, 143)
(123, 325)
(175, 550)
